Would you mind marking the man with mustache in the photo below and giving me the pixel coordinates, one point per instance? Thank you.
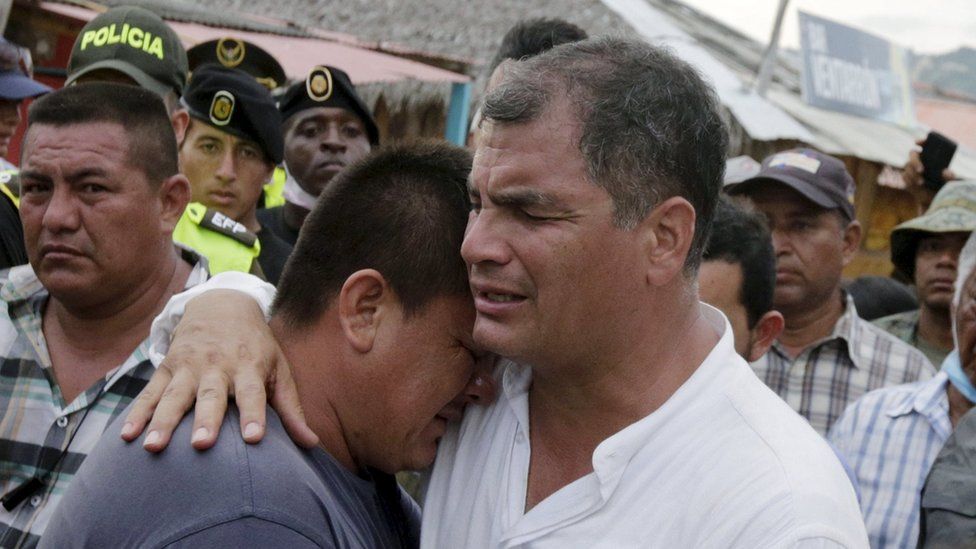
(100, 195)
(891, 437)
(827, 356)
(327, 127)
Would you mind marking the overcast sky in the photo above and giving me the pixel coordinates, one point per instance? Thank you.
(926, 26)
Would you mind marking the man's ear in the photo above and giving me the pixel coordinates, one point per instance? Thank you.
(667, 233)
(174, 195)
(180, 120)
(764, 333)
(852, 241)
(363, 302)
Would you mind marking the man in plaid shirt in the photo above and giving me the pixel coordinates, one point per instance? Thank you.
(101, 193)
(826, 356)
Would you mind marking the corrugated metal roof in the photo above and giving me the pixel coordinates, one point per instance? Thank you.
(730, 60)
(298, 54)
(763, 120)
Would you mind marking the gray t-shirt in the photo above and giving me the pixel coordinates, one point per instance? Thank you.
(271, 494)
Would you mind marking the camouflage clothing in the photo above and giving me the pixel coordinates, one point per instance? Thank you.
(904, 326)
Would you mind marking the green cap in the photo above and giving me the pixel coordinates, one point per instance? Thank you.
(135, 42)
(953, 210)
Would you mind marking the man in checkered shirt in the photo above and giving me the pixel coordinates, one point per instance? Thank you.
(100, 194)
(826, 356)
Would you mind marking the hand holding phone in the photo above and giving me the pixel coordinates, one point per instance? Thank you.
(937, 152)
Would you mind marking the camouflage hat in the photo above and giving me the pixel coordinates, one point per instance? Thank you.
(952, 210)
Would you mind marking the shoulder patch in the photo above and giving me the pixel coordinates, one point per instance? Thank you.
(220, 223)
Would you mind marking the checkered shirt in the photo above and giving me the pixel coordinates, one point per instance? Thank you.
(36, 423)
(890, 438)
(830, 374)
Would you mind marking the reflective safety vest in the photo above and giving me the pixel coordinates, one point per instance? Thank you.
(6, 177)
(274, 192)
(227, 245)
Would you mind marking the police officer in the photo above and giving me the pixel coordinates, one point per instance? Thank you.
(16, 85)
(132, 45)
(327, 127)
(230, 148)
(242, 55)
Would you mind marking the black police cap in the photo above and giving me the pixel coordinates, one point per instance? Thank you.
(234, 102)
(327, 86)
(242, 55)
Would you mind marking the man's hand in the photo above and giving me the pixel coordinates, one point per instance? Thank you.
(221, 348)
(912, 175)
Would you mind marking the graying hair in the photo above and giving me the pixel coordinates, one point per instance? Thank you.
(964, 267)
(651, 127)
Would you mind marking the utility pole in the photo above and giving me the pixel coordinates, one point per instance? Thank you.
(765, 75)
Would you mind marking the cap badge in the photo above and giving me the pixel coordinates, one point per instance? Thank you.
(318, 85)
(230, 52)
(222, 108)
(795, 160)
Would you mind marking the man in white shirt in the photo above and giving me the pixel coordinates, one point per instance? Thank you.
(593, 189)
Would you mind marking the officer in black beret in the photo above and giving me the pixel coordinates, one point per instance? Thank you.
(327, 126)
(230, 148)
(242, 55)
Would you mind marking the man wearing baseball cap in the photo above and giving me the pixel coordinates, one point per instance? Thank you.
(826, 356)
(132, 45)
(228, 152)
(327, 127)
(926, 250)
(16, 85)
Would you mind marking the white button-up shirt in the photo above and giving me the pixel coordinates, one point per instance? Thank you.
(723, 463)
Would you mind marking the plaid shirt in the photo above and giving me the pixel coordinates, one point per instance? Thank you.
(37, 424)
(904, 326)
(831, 373)
(890, 438)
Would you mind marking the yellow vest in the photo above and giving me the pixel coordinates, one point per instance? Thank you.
(6, 176)
(227, 245)
(274, 192)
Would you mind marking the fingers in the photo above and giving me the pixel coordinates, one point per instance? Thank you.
(284, 400)
(251, 401)
(144, 404)
(176, 400)
(209, 411)
(949, 175)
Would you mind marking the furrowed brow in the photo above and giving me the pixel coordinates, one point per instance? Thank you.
(35, 176)
(522, 198)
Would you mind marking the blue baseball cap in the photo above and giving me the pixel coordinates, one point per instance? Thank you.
(16, 69)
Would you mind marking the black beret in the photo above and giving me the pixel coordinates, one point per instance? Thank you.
(234, 102)
(327, 86)
(234, 53)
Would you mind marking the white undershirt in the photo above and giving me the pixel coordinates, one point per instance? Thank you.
(723, 463)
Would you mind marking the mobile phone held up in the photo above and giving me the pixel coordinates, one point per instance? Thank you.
(937, 152)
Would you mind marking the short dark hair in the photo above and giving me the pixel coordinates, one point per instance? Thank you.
(402, 210)
(651, 126)
(742, 238)
(140, 112)
(534, 36)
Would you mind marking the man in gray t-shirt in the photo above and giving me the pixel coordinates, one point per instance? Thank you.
(272, 494)
(375, 316)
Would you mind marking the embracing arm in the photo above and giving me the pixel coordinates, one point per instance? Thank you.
(217, 345)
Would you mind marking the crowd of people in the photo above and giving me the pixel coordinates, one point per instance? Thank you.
(576, 331)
